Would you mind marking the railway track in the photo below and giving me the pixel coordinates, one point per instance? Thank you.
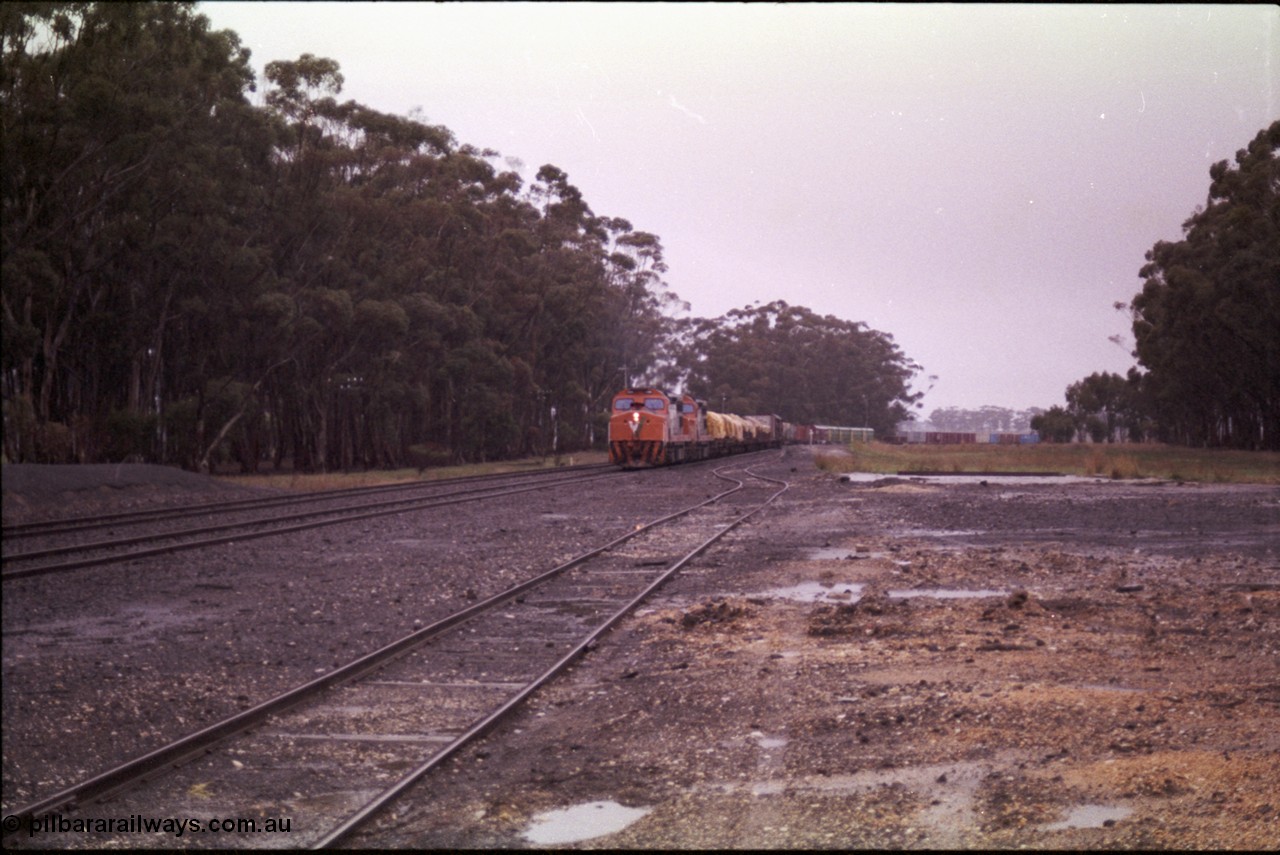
(87, 523)
(60, 546)
(330, 755)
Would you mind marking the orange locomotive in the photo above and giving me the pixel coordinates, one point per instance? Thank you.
(648, 427)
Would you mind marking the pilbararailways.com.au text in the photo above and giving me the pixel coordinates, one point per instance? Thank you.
(56, 823)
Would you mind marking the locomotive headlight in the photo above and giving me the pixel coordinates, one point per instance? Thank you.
(635, 424)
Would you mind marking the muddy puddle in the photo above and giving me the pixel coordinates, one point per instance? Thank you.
(1089, 816)
(948, 789)
(851, 592)
(936, 532)
(840, 553)
(961, 478)
(948, 593)
(582, 822)
(813, 592)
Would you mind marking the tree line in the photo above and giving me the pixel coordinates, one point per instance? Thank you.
(988, 419)
(189, 278)
(778, 358)
(1206, 325)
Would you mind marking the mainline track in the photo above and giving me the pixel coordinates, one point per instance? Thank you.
(32, 562)
(411, 705)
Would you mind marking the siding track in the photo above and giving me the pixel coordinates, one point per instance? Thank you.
(68, 538)
(354, 740)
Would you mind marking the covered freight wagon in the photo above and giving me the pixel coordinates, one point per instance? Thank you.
(842, 435)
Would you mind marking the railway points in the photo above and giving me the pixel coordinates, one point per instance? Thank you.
(576, 603)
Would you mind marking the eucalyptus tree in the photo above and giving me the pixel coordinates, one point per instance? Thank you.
(123, 131)
(590, 309)
(1207, 321)
(1055, 425)
(642, 304)
(804, 366)
(1101, 405)
(190, 278)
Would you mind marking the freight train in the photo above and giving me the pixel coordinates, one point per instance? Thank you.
(648, 427)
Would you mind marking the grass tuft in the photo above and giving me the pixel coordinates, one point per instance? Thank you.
(1118, 461)
(310, 482)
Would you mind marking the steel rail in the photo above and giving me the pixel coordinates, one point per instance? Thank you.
(123, 518)
(165, 535)
(484, 725)
(104, 784)
(407, 505)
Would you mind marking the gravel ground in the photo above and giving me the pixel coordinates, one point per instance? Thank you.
(1098, 665)
(138, 654)
(33, 492)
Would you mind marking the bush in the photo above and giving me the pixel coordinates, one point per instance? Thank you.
(130, 434)
(428, 455)
(53, 443)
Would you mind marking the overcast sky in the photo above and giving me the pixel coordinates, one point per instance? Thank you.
(981, 182)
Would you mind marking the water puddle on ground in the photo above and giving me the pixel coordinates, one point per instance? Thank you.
(949, 791)
(833, 553)
(582, 822)
(851, 592)
(1089, 816)
(768, 742)
(935, 532)
(947, 593)
(813, 592)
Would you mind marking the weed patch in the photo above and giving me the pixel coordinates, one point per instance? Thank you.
(310, 482)
(1119, 461)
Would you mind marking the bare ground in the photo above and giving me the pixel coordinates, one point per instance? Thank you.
(887, 664)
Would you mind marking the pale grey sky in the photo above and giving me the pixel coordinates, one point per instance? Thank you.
(979, 181)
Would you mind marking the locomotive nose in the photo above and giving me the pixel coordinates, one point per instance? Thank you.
(634, 422)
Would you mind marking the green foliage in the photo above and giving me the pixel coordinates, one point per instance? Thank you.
(54, 443)
(805, 367)
(130, 435)
(189, 278)
(1207, 321)
(180, 424)
(127, 144)
(429, 455)
(1055, 425)
(20, 428)
(1101, 404)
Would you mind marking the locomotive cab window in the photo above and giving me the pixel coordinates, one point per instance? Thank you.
(656, 404)
(623, 403)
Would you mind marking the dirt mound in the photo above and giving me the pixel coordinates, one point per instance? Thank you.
(715, 612)
(34, 492)
(32, 479)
